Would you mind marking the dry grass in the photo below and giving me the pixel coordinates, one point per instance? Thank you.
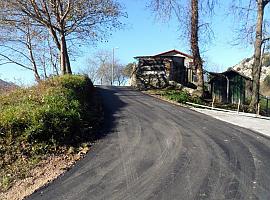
(45, 172)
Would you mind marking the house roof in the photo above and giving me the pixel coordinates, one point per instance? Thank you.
(176, 52)
(167, 54)
(152, 57)
(228, 72)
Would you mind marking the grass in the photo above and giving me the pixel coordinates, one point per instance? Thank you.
(179, 96)
(46, 119)
(182, 96)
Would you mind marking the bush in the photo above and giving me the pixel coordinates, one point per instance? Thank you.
(178, 96)
(197, 100)
(57, 112)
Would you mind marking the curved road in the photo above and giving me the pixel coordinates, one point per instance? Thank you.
(155, 150)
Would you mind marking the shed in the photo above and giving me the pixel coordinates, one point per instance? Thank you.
(229, 86)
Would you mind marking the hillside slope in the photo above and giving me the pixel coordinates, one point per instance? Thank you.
(6, 85)
(245, 68)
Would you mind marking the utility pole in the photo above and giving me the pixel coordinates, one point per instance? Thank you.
(113, 64)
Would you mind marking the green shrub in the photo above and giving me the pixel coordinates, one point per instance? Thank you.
(55, 111)
(34, 121)
(178, 96)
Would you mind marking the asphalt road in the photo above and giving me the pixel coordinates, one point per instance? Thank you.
(155, 150)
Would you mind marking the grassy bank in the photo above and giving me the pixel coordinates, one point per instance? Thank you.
(182, 96)
(179, 96)
(51, 118)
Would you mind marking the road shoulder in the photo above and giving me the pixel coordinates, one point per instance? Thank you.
(260, 125)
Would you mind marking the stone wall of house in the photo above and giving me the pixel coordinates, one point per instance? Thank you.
(150, 73)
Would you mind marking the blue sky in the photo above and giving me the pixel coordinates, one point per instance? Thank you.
(143, 35)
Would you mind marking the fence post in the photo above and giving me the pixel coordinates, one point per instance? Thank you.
(213, 102)
(238, 107)
(258, 111)
(267, 106)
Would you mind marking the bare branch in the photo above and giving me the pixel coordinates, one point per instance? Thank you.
(15, 62)
(17, 51)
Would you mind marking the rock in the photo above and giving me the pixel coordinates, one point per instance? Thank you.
(179, 86)
(189, 90)
(245, 66)
(172, 83)
(176, 85)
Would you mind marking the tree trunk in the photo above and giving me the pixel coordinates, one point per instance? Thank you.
(194, 42)
(31, 54)
(256, 68)
(55, 69)
(45, 70)
(64, 58)
(37, 76)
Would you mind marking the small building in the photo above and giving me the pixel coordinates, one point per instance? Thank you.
(156, 71)
(229, 87)
(188, 63)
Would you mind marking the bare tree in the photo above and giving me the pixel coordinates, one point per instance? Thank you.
(119, 74)
(189, 14)
(27, 46)
(104, 61)
(253, 26)
(92, 69)
(99, 69)
(128, 69)
(19, 45)
(64, 20)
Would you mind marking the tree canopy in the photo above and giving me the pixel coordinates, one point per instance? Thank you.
(65, 21)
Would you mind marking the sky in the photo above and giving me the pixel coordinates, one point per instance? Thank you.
(144, 35)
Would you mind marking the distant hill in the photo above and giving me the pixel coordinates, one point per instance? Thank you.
(4, 85)
(245, 68)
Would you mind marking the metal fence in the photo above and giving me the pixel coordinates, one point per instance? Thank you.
(265, 105)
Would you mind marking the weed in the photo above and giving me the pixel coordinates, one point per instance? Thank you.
(5, 182)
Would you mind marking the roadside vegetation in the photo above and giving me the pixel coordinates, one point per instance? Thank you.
(183, 96)
(57, 116)
(179, 96)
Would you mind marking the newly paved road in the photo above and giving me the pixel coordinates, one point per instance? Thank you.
(155, 150)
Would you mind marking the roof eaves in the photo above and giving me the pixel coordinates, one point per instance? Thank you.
(233, 70)
(179, 52)
(229, 70)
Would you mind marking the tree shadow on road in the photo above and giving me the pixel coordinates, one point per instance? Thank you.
(111, 105)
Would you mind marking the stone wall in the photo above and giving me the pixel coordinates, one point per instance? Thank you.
(157, 72)
(150, 73)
